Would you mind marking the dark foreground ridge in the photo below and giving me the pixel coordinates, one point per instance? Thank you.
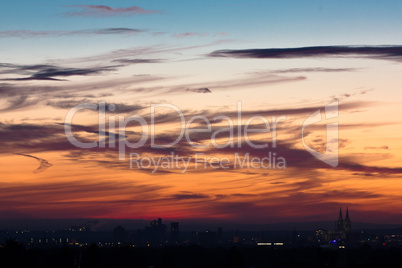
(14, 254)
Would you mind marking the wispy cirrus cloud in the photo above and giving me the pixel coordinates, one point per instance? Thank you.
(107, 11)
(118, 107)
(374, 52)
(313, 70)
(88, 32)
(185, 34)
(15, 102)
(192, 34)
(140, 52)
(15, 97)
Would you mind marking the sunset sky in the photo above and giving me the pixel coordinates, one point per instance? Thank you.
(207, 58)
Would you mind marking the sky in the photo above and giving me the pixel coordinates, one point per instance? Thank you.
(93, 94)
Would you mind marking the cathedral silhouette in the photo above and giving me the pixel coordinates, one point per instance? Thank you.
(343, 226)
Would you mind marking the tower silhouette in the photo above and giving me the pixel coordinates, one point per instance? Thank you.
(348, 223)
(339, 224)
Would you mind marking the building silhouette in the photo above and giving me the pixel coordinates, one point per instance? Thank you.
(157, 233)
(342, 230)
(119, 235)
(347, 224)
(174, 232)
(343, 226)
(207, 239)
(339, 227)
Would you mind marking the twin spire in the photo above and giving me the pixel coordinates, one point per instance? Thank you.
(343, 225)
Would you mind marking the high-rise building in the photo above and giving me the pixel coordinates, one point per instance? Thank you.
(174, 232)
(207, 239)
(119, 235)
(157, 233)
(220, 236)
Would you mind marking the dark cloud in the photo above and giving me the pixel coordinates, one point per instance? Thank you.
(33, 78)
(302, 160)
(17, 97)
(313, 70)
(116, 108)
(137, 61)
(371, 169)
(48, 72)
(189, 196)
(106, 11)
(210, 115)
(199, 90)
(32, 138)
(376, 52)
(114, 31)
(43, 164)
(18, 102)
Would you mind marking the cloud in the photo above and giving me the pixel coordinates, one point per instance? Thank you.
(33, 78)
(140, 52)
(17, 97)
(33, 138)
(199, 90)
(107, 11)
(189, 196)
(385, 147)
(137, 61)
(48, 72)
(348, 95)
(18, 102)
(88, 32)
(374, 52)
(302, 161)
(116, 108)
(192, 34)
(311, 70)
(185, 34)
(44, 164)
(238, 83)
(114, 31)
(370, 169)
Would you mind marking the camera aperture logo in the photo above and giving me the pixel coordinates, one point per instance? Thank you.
(331, 155)
(199, 135)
